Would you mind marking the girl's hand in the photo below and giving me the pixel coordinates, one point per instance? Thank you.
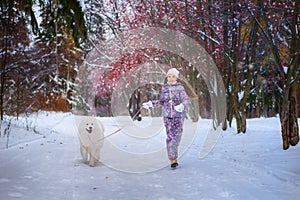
(147, 105)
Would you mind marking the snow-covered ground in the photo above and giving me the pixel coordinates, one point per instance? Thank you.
(44, 162)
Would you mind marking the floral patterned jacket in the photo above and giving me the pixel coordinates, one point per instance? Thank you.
(171, 96)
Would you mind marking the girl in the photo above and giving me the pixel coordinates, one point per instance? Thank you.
(174, 101)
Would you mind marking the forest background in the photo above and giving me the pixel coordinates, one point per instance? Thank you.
(254, 44)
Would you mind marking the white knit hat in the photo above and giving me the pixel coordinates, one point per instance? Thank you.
(173, 71)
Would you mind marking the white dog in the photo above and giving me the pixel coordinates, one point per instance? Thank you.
(91, 134)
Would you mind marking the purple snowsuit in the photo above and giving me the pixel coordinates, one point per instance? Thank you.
(171, 96)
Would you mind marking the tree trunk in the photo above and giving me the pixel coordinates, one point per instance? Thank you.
(4, 49)
(227, 70)
(288, 116)
(235, 74)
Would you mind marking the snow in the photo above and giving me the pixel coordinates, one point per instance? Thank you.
(241, 95)
(285, 69)
(47, 165)
(212, 39)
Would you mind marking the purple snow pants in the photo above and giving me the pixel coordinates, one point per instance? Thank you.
(174, 132)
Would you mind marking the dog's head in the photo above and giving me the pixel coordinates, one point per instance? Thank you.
(89, 127)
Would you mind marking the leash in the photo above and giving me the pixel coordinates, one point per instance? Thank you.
(118, 130)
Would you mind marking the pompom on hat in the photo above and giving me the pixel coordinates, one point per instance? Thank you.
(173, 71)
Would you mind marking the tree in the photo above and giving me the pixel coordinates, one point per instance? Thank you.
(283, 39)
(36, 63)
(63, 34)
(241, 60)
(15, 55)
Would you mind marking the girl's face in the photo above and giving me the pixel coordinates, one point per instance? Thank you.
(171, 78)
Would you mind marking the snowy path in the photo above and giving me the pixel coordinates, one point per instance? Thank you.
(249, 166)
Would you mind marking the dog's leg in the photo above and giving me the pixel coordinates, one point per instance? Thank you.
(84, 153)
(94, 157)
(92, 161)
